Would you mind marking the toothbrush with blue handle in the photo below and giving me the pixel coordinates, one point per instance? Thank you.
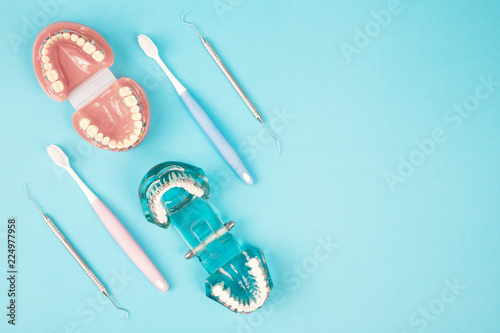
(202, 118)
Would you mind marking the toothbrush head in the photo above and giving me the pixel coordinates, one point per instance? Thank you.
(58, 156)
(147, 46)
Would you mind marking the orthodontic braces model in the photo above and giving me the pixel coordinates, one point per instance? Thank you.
(177, 193)
(72, 62)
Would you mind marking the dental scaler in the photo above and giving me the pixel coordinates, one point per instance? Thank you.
(177, 193)
(232, 80)
(75, 254)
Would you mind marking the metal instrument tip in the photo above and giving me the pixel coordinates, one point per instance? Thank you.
(116, 306)
(34, 203)
(182, 18)
(277, 141)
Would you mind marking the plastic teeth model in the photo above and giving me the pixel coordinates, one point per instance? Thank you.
(71, 62)
(177, 193)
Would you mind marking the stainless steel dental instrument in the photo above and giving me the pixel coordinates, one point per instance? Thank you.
(75, 254)
(231, 79)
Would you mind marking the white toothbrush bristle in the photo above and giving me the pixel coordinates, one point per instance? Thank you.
(147, 46)
(58, 156)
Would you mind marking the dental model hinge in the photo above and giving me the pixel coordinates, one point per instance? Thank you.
(91, 88)
(227, 226)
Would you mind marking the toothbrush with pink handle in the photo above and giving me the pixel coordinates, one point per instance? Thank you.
(115, 228)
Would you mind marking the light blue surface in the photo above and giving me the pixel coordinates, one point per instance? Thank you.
(419, 256)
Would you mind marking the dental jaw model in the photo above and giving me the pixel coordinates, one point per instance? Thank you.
(177, 193)
(72, 62)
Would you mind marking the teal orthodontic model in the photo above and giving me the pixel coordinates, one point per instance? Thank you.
(177, 193)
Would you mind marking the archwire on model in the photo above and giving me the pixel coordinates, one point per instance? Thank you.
(202, 118)
(75, 254)
(231, 79)
(112, 224)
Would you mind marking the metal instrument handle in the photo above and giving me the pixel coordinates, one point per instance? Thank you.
(231, 79)
(75, 255)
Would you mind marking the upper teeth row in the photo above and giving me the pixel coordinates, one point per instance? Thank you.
(245, 305)
(156, 191)
(51, 74)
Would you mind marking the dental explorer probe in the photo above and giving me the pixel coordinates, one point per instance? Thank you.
(231, 79)
(75, 254)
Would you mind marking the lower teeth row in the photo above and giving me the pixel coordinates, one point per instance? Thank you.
(131, 101)
(260, 294)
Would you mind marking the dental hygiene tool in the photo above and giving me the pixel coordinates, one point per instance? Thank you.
(75, 254)
(115, 228)
(231, 79)
(201, 117)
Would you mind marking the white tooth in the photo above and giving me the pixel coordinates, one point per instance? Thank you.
(45, 59)
(138, 124)
(66, 35)
(262, 284)
(254, 262)
(45, 51)
(57, 86)
(258, 294)
(51, 75)
(130, 100)
(74, 37)
(105, 140)
(134, 138)
(240, 307)
(260, 278)
(47, 66)
(92, 130)
(47, 44)
(112, 144)
(224, 295)
(54, 38)
(230, 302)
(80, 41)
(127, 143)
(217, 290)
(253, 306)
(98, 56)
(59, 36)
(256, 271)
(99, 137)
(261, 300)
(135, 109)
(119, 145)
(84, 123)
(125, 91)
(89, 48)
(136, 116)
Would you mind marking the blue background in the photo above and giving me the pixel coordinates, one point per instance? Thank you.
(345, 122)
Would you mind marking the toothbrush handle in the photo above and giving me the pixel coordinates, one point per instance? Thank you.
(129, 245)
(217, 138)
